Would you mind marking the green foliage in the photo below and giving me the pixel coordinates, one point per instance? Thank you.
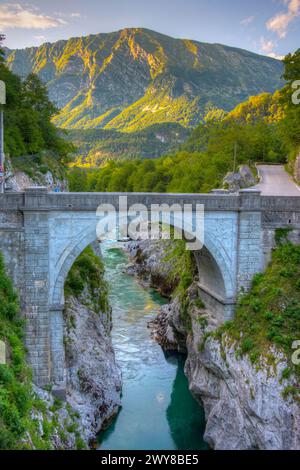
(269, 315)
(205, 158)
(97, 146)
(16, 397)
(290, 129)
(15, 391)
(18, 403)
(88, 272)
(253, 126)
(27, 117)
(182, 269)
(281, 235)
(265, 128)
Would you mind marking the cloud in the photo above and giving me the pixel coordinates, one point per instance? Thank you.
(247, 21)
(279, 23)
(267, 47)
(14, 15)
(75, 15)
(40, 38)
(273, 55)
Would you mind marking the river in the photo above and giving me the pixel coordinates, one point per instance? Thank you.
(158, 411)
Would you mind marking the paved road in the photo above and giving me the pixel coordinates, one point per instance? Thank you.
(275, 181)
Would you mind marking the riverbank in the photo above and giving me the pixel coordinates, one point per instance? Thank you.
(248, 404)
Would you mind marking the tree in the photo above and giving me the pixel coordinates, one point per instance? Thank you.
(2, 37)
(28, 113)
(35, 96)
(291, 124)
(292, 67)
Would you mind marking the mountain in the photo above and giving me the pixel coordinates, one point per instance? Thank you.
(97, 146)
(133, 78)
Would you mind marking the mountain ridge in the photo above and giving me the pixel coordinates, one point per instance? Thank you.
(130, 79)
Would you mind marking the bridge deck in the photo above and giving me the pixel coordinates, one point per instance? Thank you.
(249, 200)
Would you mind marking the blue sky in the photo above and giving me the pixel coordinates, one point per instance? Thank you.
(270, 27)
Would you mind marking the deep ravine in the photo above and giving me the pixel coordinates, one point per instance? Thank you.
(158, 411)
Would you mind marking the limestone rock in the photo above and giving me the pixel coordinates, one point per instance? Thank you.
(93, 377)
(244, 404)
(242, 179)
(17, 181)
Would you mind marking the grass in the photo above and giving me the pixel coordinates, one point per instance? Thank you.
(88, 273)
(269, 315)
(180, 277)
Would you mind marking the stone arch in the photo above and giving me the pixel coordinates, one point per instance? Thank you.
(215, 265)
(216, 272)
(223, 265)
(70, 255)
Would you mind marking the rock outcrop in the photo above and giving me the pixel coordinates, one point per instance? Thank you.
(239, 180)
(93, 377)
(148, 264)
(16, 180)
(246, 406)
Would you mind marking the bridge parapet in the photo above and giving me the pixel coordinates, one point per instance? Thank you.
(37, 198)
(40, 199)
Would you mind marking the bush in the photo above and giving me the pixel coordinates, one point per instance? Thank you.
(247, 345)
(268, 315)
(88, 272)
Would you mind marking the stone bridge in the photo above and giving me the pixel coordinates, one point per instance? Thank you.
(42, 234)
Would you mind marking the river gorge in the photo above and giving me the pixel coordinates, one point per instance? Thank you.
(158, 410)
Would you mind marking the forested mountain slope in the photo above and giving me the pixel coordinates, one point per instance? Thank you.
(133, 78)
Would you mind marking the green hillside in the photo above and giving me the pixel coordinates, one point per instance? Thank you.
(134, 78)
(265, 128)
(96, 146)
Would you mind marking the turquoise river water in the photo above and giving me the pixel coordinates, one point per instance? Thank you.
(158, 411)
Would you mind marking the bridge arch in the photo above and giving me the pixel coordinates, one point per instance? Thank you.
(215, 268)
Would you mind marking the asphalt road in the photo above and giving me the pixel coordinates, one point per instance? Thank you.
(275, 181)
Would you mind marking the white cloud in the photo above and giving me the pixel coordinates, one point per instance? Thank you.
(14, 15)
(247, 21)
(279, 23)
(40, 38)
(273, 55)
(76, 15)
(267, 47)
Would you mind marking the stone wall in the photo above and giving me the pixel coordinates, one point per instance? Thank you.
(35, 294)
(249, 249)
(297, 169)
(12, 244)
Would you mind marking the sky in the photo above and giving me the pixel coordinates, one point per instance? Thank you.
(269, 27)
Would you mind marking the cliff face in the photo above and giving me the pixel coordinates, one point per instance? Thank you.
(135, 77)
(93, 377)
(245, 404)
(47, 172)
